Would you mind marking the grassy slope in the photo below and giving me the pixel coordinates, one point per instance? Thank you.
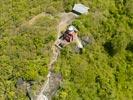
(103, 72)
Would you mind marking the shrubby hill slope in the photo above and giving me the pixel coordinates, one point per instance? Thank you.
(103, 72)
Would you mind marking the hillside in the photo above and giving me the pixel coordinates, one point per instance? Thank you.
(103, 72)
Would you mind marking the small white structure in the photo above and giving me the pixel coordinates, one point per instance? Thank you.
(80, 9)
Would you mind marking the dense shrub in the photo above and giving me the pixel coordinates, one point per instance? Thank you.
(103, 72)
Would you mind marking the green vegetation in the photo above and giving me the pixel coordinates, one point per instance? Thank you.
(103, 72)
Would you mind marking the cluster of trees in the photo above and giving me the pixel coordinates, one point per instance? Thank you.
(103, 72)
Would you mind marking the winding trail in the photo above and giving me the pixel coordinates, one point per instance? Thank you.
(33, 20)
(66, 19)
(53, 80)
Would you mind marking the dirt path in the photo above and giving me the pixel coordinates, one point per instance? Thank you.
(43, 14)
(52, 82)
(66, 19)
(32, 21)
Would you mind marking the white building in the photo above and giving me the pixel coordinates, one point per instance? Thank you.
(80, 9)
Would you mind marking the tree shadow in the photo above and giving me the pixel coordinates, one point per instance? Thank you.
(130, 46)
(108, 46)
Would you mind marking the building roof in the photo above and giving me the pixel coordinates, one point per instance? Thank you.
(80, 8)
